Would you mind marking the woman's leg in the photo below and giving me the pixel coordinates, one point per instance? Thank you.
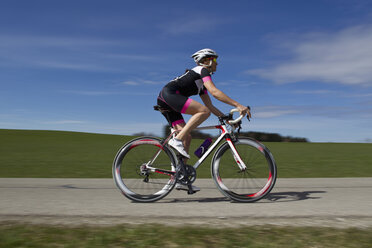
(186, 141)
(199, 114)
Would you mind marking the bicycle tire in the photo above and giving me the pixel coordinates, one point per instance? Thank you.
(250, 185)
(131, 180)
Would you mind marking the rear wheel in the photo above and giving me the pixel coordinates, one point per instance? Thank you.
(248, 185)
(144, 169)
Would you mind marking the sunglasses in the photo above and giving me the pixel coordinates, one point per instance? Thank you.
(213, 59)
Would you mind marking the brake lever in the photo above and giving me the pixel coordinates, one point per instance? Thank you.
(238, 126)
(248, 115)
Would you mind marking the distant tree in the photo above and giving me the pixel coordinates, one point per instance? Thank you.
(260, 136)
(166, 131)
(272, 137)
(199, 135)
(294, 139)
(143, 134)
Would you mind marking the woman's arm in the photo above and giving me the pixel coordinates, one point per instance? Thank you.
(219, 95)
(207, 101)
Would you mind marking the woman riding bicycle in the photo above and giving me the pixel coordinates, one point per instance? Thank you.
(175, 98)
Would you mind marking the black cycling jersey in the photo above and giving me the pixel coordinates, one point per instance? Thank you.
(191, 82)
(175, 95)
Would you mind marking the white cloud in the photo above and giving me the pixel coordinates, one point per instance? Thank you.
(60, 52)
(315, 92)
(192, 24)
(141, 82)
(107, 93)
(236, 83)
(315, 111)
(275, 111)
(43, 41)
(64, 122)
(344, 57)
(320, 129)
(369, 95)
(132, 57)
(70, 65)
(93, 93)
(134, 83)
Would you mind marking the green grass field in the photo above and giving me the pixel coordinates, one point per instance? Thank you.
(83, 155)
(162, 236)
(57, 154)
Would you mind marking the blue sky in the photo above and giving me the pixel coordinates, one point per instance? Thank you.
(305, 67)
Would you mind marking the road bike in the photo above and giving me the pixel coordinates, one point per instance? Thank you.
(146, 169)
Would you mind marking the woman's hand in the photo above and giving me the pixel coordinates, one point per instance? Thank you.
(244, 110)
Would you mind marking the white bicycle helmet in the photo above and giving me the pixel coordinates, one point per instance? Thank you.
(204, 53)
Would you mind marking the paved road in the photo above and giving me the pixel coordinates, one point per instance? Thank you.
(345, 202)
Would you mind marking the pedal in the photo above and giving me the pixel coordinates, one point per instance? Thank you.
(190, 191)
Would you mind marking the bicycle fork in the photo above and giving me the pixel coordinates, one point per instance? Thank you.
(236, 155)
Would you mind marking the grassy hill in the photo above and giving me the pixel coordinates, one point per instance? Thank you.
(29, 153)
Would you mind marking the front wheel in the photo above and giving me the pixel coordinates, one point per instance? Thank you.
(251, 184)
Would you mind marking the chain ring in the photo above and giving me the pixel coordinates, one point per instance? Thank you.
(188, 177)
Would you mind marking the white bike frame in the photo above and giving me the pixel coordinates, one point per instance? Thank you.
(224, 132)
